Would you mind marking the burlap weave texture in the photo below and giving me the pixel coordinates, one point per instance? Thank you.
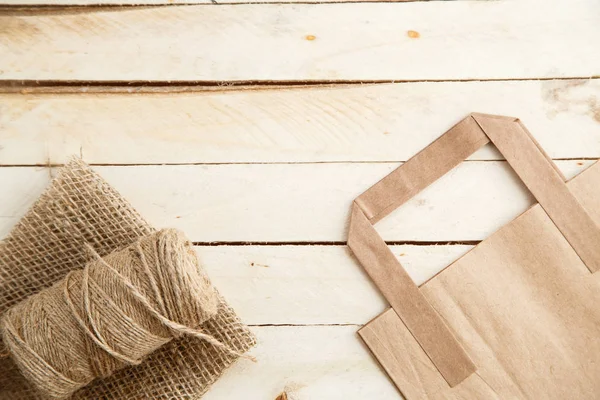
(78, 208)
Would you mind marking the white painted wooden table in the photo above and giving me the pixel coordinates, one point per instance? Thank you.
(252, 127)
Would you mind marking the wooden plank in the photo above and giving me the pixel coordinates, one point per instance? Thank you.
(296, 202)
(312, 362)
(307, 285)
(389, 122)
(301, 42)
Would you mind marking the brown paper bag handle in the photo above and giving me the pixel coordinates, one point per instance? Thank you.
(531, 164)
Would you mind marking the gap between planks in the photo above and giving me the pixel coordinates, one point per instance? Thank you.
(284, 325)
(164, 87)
(84, 4)
(339, 243)
(58, 165)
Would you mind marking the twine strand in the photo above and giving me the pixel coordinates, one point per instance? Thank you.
(174, 326)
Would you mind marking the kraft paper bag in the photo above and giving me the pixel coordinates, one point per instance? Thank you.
(518, 317)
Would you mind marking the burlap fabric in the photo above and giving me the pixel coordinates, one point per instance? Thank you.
(78, 208)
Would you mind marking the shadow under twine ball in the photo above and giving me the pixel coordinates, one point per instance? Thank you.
(111, 314)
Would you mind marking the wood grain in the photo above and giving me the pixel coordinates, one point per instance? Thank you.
(390, 122)
(318, 362)
(301, 42)
(310, 285)
(296, 202)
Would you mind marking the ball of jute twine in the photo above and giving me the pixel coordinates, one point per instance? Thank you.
(111, 314)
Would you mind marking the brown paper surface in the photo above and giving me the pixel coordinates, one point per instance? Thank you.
(521, 306)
